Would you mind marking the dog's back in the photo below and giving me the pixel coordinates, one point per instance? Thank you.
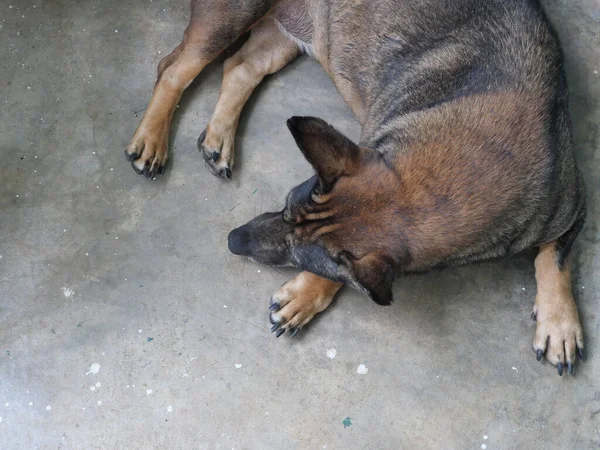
(471, 91)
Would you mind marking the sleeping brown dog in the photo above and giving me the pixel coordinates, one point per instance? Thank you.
(465, 153)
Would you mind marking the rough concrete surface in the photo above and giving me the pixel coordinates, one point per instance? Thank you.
(101, 266)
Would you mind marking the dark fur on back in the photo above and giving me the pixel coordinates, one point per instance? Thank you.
(465, 152)
(421, 73)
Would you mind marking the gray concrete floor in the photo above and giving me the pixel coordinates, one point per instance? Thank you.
(100, 266)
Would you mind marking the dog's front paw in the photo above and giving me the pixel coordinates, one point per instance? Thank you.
(218, 155)
(148, 152)
(298, 301)
(558, 334)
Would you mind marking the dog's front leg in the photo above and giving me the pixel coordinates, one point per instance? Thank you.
(558, 332)
(299, 300)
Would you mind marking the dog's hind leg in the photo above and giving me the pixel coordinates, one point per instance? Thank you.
(558, 333)
(266, 51)
(299, 300)
(213, 26)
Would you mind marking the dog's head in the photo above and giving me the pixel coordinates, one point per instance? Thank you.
(340, 224)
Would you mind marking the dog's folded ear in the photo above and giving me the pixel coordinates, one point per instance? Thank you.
(329, 152)
(372, 273)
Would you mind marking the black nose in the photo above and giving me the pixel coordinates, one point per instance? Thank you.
(238, 242)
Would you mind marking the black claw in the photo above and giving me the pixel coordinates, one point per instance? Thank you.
(228, 173)
(570, 368)
(294, 332)
(580, 353)
(131, 156)
(275, 326)
(215, 156)
(280, 332)
(146, 172)
(201, 139)
(161, 170)
(533, 316)
(559, 367)
(274, 307)
(538, 354)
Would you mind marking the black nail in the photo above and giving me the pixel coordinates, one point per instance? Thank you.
(274, 307)
(228, 173)
(280, 332)
(538, 354)
(533, 316)
(294, 332)
(201, 139)
(570, 368)
(580, 353)
(215, 156)
(131, 156)
(559, 367)
(275, 327)
(161, 170)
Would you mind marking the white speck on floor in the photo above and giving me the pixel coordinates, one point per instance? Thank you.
(92, 388)
(485, 437)
(515, 369)
(67, 291)
(140, 330)
(362, 369)
(48, 408)
(94, 369)
(238, 366)
(98, 385)
(331, 353)
(0, 419)
(169, 408)
(30, 403)
(523, 288)
(483, 446)
(99, 402)
(224, 306)
(185, 375)
(148, 391)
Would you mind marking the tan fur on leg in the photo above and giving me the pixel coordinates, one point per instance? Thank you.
(558, 332)
(266, 51)
(299, 300)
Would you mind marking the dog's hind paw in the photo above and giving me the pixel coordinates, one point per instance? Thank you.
(148, 153)
(218, 160)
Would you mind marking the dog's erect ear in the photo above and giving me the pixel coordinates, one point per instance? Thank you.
(329, 152)
(374, 275)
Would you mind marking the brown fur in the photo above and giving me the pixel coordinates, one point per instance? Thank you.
(465, 152)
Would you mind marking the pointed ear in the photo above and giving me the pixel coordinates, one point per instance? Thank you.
(329, 152)
(374, 275)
